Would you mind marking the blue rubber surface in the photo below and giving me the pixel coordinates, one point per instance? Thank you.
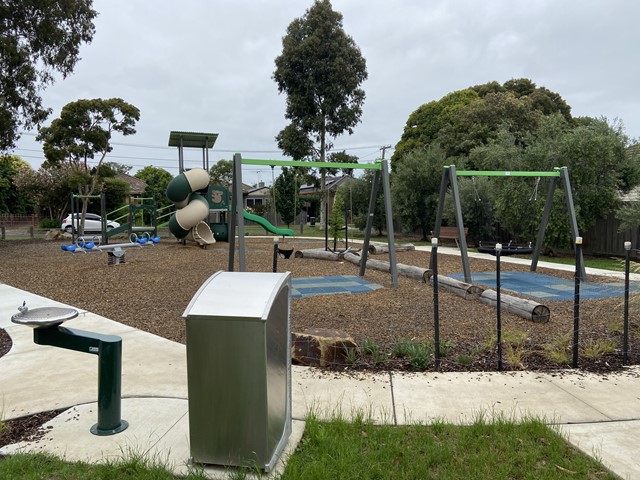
(312, 286)
(546, 287)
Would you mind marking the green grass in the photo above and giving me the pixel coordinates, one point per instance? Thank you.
(362, 450)
(500, 449)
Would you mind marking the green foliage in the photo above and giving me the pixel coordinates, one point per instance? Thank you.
(594, 349)
(14, 200)
(157, 180)
(222, 173)
(82, 132)
(115, 191)
(415, 188)
(478, 206)
(320, 70)
(41, 42)
(49, 223)
(112, 169)
(285, 193)
(418, 354)
(360, 196)
(336, 218)
(423, 125)
(50, 188)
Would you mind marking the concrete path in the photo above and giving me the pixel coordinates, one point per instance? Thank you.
(600, 414)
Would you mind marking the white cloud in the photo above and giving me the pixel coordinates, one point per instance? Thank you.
(207, 66)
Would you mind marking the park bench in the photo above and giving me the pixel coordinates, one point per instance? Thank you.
(451, 233)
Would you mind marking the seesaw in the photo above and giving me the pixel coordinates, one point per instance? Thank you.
(114, 251)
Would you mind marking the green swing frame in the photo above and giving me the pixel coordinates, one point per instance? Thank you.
(450, 179)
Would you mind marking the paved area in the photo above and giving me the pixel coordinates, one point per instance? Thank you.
(600, 414)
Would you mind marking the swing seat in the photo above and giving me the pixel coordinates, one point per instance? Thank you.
(285, 253)
(507, 250)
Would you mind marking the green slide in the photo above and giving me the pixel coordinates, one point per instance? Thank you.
(266, 225)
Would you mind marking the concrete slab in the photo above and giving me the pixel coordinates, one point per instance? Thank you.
(35, 378)
(158, 430)
(461, 397)
(346, 395)
(615, 395)
(615, 444)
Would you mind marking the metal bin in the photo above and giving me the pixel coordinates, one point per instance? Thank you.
(239, 369)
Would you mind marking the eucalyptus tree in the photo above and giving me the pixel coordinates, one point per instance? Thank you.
(320, 70)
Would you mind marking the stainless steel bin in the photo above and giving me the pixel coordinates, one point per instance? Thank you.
(239, 368)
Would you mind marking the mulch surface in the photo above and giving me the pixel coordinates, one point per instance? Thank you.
(152, 289)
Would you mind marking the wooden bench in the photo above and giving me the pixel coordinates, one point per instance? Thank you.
(451, 233)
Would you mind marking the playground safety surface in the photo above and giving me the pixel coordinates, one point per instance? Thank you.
(331, 285)
(547, 287)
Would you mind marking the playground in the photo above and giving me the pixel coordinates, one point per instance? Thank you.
(152, 289)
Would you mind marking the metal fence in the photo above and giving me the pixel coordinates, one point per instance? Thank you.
(604, 238)
(10, 220)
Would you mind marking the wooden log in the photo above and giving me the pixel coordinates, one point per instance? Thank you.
(320, 254)
(462, 289)
(518, 306)
(422, 274)
(378, 247)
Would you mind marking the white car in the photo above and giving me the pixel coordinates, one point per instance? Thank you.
(92, 223)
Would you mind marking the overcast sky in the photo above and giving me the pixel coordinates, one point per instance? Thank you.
(206, 66)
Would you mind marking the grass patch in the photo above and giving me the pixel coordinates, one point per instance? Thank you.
(44, 466)
(559, 350)
(501, 449)
(362, 450)
(594, 349)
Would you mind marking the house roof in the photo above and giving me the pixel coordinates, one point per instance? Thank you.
(330, 183)
(137, 185)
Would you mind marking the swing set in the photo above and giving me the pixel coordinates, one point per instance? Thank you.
(381, 171)
(450, 179)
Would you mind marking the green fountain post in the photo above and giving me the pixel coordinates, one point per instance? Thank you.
(109, 351)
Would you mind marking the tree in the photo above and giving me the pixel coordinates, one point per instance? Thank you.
(82, 132)
(285, 193)
(222, 173)
(49, 187)
(12, 199)
(157, 180)
(320, 70)
(415, 188)
(40, 39)
(465, 119)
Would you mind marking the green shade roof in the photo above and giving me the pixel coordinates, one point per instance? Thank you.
(192, 139)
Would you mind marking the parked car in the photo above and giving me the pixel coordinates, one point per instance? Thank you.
(92, 223)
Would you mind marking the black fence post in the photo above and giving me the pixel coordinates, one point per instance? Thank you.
(275, 254)
(625, 341)
(576, 302)
(498, 306)
(436, 305)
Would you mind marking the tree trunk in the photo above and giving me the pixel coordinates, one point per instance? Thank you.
(462, 289)
(519, 306)
(410, 271)
(320, 254)
(378, 247)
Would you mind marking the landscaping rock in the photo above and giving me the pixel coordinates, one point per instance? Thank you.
(321, 347)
